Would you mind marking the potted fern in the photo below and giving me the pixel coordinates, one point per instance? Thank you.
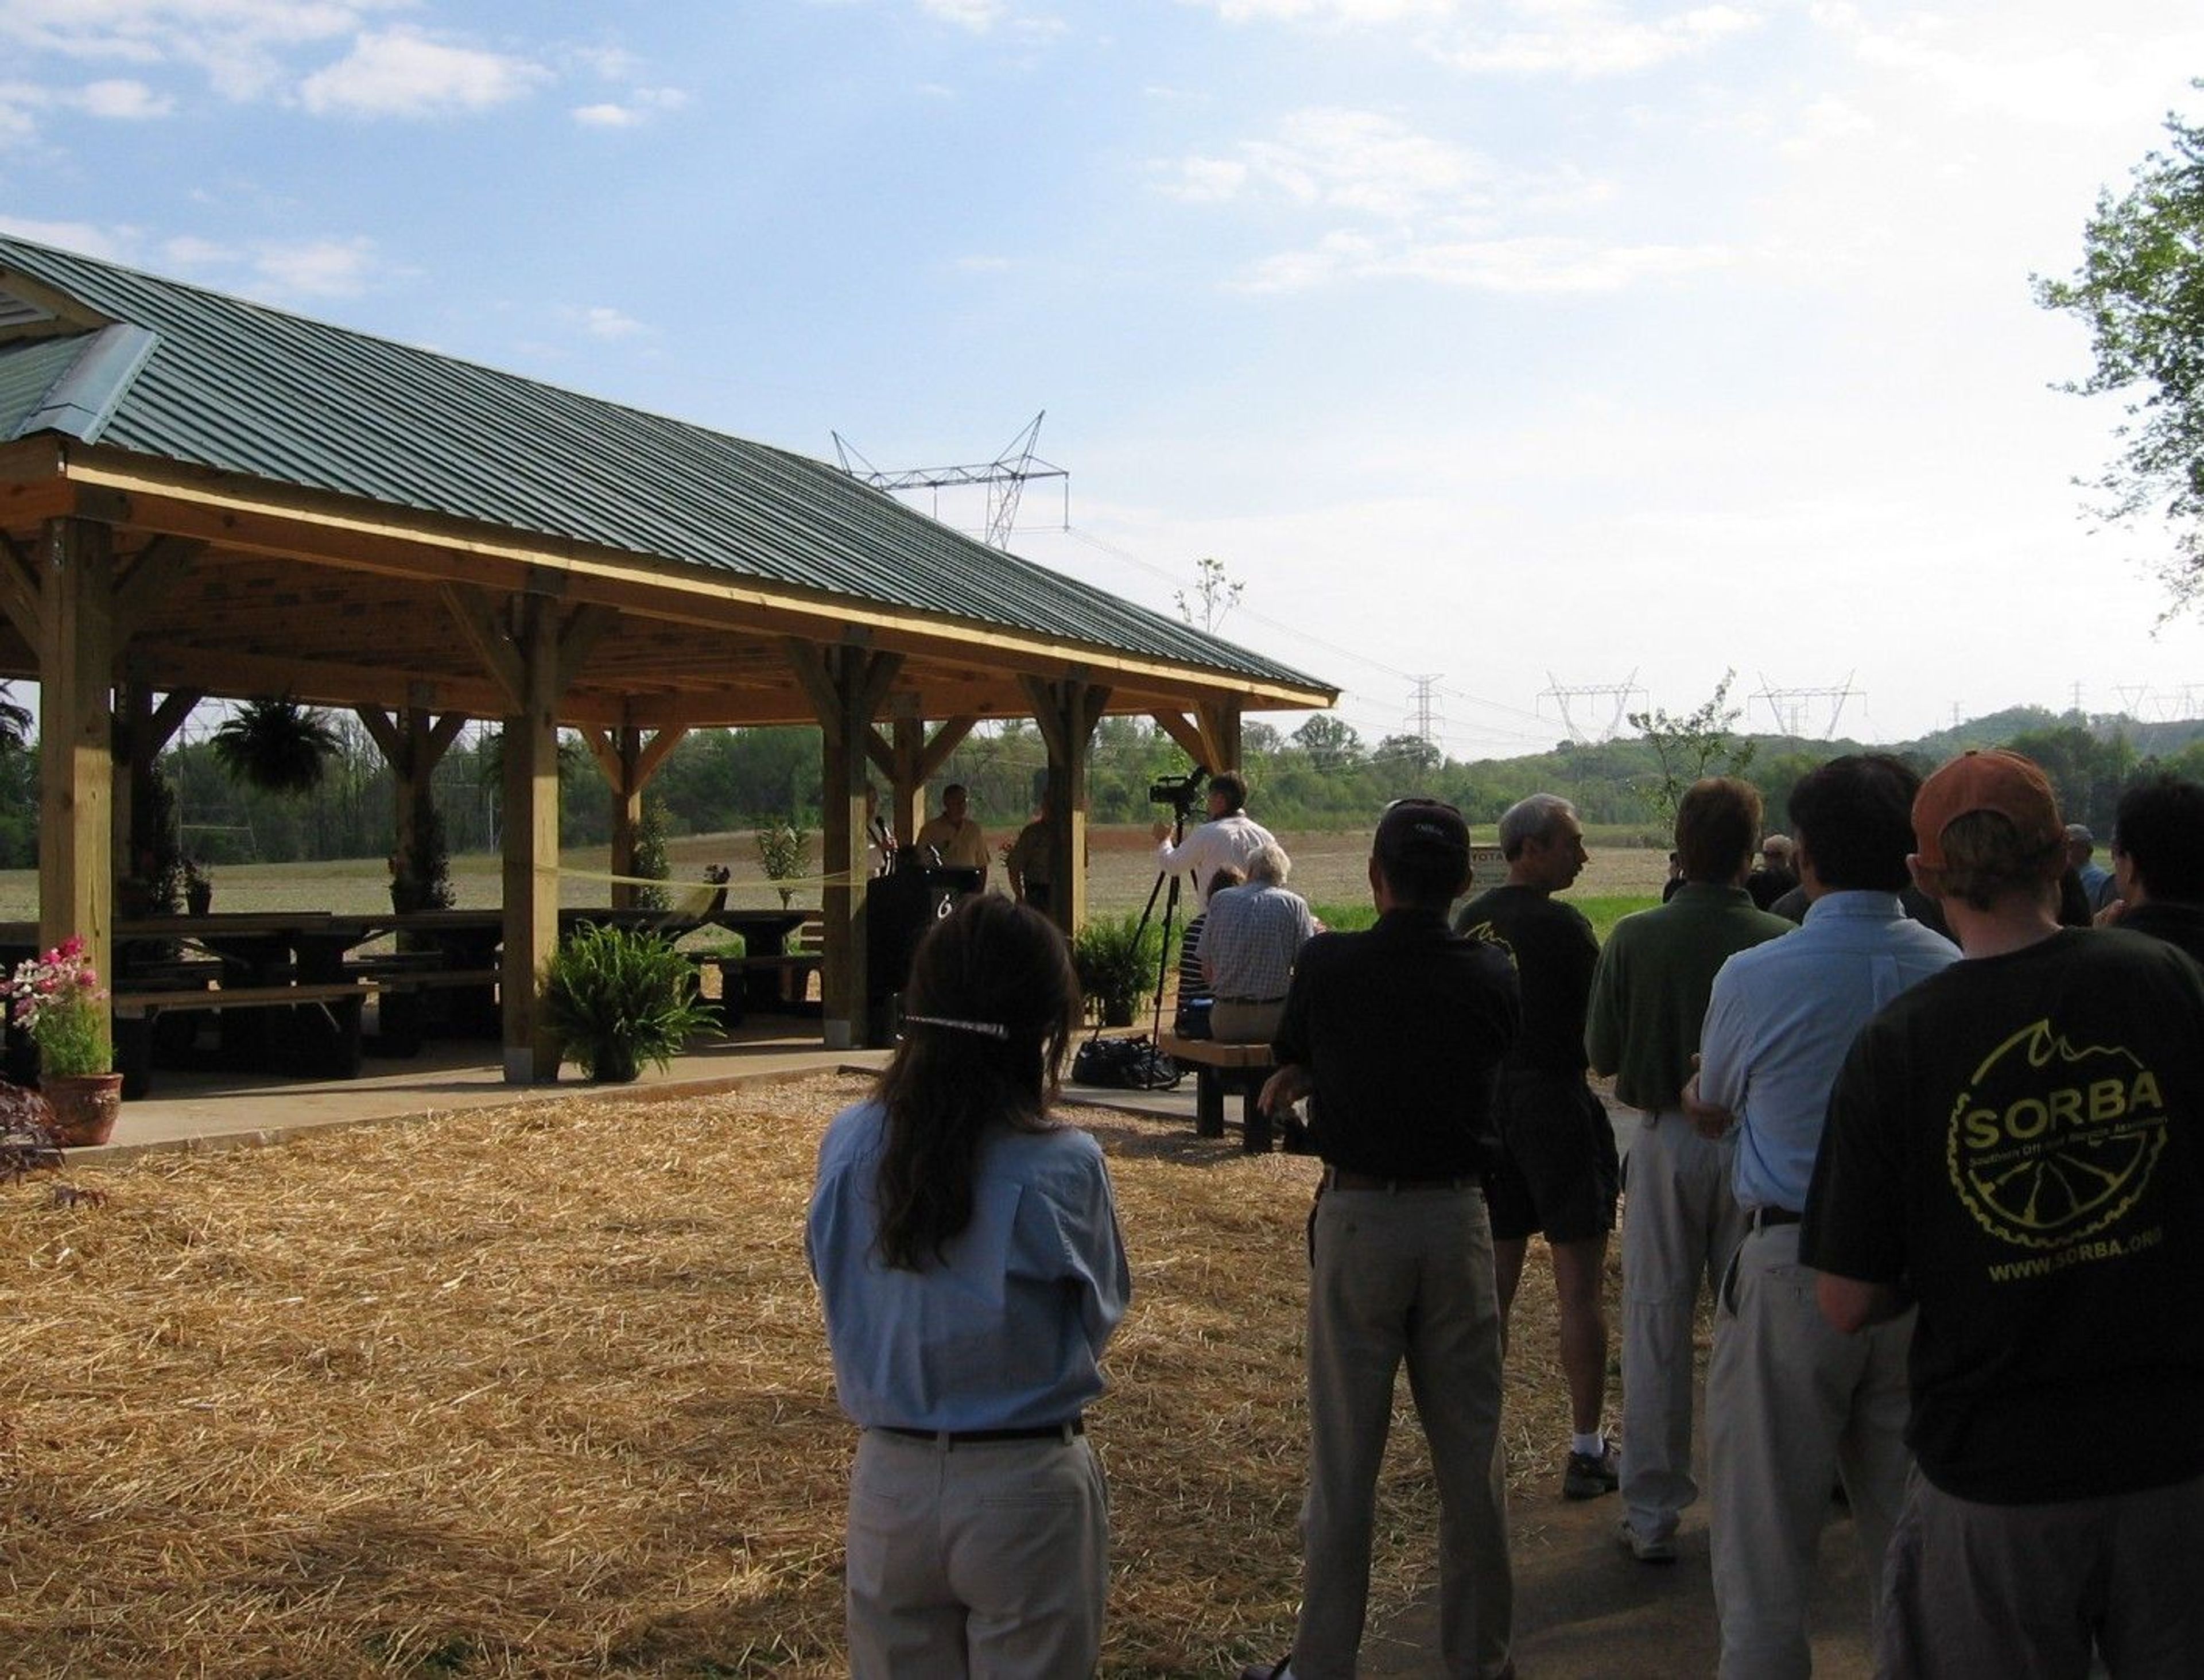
(277, 746)
(1116, 960)
(617, 999)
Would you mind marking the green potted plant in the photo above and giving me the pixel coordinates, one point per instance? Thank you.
(1116, 960)
(57, 999)
(198, 887)
(617, 999)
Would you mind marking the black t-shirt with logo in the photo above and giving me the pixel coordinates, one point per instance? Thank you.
(2017, 1141)
(1554, 952)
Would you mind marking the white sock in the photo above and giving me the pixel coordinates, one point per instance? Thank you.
(1593, 1446)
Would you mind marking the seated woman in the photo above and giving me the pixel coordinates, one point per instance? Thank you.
(967, 1253)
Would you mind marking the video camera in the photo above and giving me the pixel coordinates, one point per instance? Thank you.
(1180, 793)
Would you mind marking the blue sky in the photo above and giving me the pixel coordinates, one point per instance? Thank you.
(1515, 343)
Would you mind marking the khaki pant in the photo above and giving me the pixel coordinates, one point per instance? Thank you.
(989, 1559)
(1789, 1402)
(1404, 1276)
(2021, 1591)
(1236, 1023)
(1680, 1224)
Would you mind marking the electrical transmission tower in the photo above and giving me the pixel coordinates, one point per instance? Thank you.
(1620, 693)
(1424, 718)
(1789, 706)
(1005, 478)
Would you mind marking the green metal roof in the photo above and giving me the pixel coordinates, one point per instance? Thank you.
(216, 381)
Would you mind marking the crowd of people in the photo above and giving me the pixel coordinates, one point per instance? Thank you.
(1910, 1095)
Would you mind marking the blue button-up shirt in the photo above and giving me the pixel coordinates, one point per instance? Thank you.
(1006, 1332)
(1781, 1018)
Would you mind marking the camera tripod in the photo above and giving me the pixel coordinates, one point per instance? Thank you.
(1180, 795)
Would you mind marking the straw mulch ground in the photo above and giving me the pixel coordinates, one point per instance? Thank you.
(543, 1391)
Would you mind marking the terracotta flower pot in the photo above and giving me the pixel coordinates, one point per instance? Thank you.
(85, 1105)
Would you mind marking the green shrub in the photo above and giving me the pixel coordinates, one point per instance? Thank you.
(617, 999)
(1116, 960)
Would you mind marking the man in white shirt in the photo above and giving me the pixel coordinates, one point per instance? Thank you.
(956, 837)
(1790, 1400)
(1230, 838)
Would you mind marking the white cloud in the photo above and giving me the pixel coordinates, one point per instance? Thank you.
(1587, 39)
(403, 72)
(238, 44)
(1359, 161)
(1520, 265)
(641, 104)
(114, 244)
(606, 116)
(123, 100)
(327, 267)
(966, 14)
(1349, 13)
(601, 322)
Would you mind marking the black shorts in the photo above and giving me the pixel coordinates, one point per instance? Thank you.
(1557, 1171)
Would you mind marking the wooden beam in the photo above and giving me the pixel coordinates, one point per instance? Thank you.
(942, 742)
(478, 622)
(1187, 733)
(582, 631)
(382, 730)
(160, 565)
(19, 588)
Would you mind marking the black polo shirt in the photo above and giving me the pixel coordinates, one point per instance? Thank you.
(1403, 1029)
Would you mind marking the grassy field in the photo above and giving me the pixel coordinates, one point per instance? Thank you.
(1330, 870)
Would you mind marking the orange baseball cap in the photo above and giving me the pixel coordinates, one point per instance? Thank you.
(1988, 780)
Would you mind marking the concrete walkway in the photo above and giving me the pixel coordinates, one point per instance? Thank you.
(231, 1110)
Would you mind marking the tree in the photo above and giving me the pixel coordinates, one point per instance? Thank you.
(1330, 743)
(2140, 290)
(1696, 744)
(1215, 595)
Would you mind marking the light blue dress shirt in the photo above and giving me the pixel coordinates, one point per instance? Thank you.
(1007, 1331)
(1781, 1018)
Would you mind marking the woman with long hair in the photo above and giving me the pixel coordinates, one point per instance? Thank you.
(968, 1256)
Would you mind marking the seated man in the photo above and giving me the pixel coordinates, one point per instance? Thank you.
(1249, 938)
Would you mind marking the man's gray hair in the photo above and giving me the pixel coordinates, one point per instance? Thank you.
(1269, 864)
(1531, 818)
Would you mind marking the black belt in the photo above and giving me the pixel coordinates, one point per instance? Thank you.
(1343, 1178)
(1760, 1218)
(1077, 1426)
(1251, 999)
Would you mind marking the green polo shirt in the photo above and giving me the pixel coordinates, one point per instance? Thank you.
(1649, 994)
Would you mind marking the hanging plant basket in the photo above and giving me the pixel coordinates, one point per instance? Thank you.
(277, 746)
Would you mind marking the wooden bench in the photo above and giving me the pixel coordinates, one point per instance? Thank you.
(331, 1053)
(404, 1019)
(1219, 1068)
(778, 983)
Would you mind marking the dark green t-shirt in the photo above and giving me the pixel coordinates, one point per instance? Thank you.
(2018, 1141)
(1555, 951)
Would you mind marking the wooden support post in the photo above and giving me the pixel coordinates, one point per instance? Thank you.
(628, 762)
(76, 761)
(412, 746)
(532, 843)
(846, 686)
(1066, 713)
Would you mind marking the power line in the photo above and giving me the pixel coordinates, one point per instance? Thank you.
(1005, 478)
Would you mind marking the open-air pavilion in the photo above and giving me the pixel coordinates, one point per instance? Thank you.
(202, 498)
